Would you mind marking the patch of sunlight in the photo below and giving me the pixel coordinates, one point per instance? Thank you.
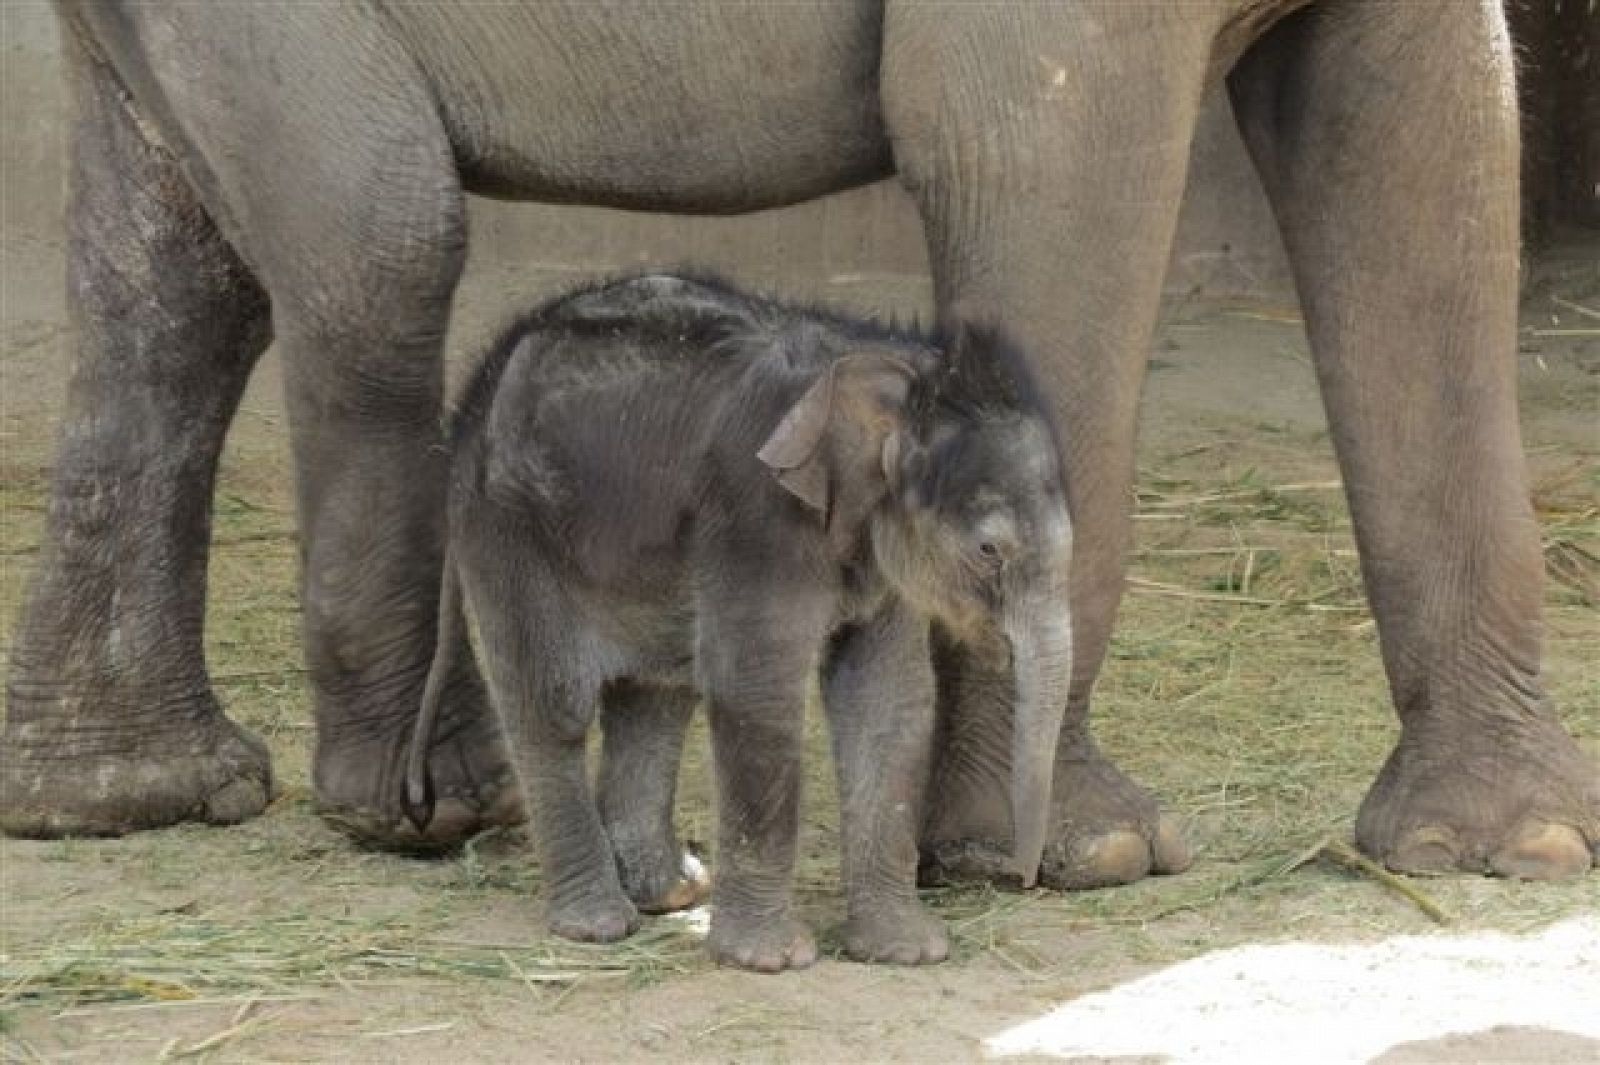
(1306, 1001)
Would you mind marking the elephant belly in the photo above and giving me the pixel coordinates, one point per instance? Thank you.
(646, 639)
(696, 107)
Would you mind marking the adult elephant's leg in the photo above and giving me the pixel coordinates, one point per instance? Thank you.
(343, 180)
(1046, 146)
(1387, 136)
(364, 401)
(111, 724)
(364, 382)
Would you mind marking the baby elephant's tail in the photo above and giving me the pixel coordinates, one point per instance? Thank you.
(417, 797)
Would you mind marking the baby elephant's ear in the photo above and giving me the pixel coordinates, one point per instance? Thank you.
(855, 404)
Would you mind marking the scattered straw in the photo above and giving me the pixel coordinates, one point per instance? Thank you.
(227, 1035)
(421, 1029)
(1149, 587)
(1152, 499)
(245, 1003)
(1587, 312)
(1573, 567)
(177, 958)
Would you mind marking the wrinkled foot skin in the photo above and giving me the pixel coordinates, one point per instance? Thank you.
(217, 774)
(760, 944)
(904, 934)
(1110, 832)
(662, 882)
(593, 919)
(1110, 829)
(1530, 810)
(966, 861)
(359, 782)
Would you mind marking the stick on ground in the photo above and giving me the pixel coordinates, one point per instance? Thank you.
(1341, 853)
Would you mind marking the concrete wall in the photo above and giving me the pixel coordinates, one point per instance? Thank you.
(1226, 240)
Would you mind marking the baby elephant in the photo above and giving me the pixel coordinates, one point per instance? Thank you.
(663, 487)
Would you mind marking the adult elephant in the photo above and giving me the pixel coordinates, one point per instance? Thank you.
(246, 171)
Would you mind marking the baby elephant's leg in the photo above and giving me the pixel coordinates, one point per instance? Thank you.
(755, 662)
(644, 729)
(878, 687)
(546, 711)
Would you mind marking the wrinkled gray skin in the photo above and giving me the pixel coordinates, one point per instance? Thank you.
(662, 486)
(244, 171)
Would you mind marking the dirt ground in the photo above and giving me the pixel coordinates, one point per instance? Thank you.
(1244, 687)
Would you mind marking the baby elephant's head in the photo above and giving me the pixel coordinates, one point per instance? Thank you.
(968, 521)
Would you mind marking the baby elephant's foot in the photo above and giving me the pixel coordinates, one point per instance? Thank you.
(593, 918)
(901, 934)
(761, 944)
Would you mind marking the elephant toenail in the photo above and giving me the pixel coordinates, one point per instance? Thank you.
(1117, 857)
(1541, 850)
(1172, 851)
(1427, 851)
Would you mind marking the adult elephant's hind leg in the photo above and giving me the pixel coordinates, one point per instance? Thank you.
(111, 724)
(364, 389)
(360, 237)
(1387, 138)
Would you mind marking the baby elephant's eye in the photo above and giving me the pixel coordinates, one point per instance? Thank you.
(989, 551)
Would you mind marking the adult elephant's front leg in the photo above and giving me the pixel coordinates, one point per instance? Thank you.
(111, 724)
(1387, 138)
(1046, 146)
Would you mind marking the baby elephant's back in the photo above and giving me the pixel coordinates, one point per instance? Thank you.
(592, 421)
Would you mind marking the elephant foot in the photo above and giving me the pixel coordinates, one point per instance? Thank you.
(900, 934)
(59, 781)
(592, 918)
(358, 780)
(663, 881)
(1110, 830)
(760, 943)
(1082, 859)
(966, 861)
(1524, 806)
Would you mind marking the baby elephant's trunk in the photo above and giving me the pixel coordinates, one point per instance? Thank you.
(417, 796)
(1041, 658)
